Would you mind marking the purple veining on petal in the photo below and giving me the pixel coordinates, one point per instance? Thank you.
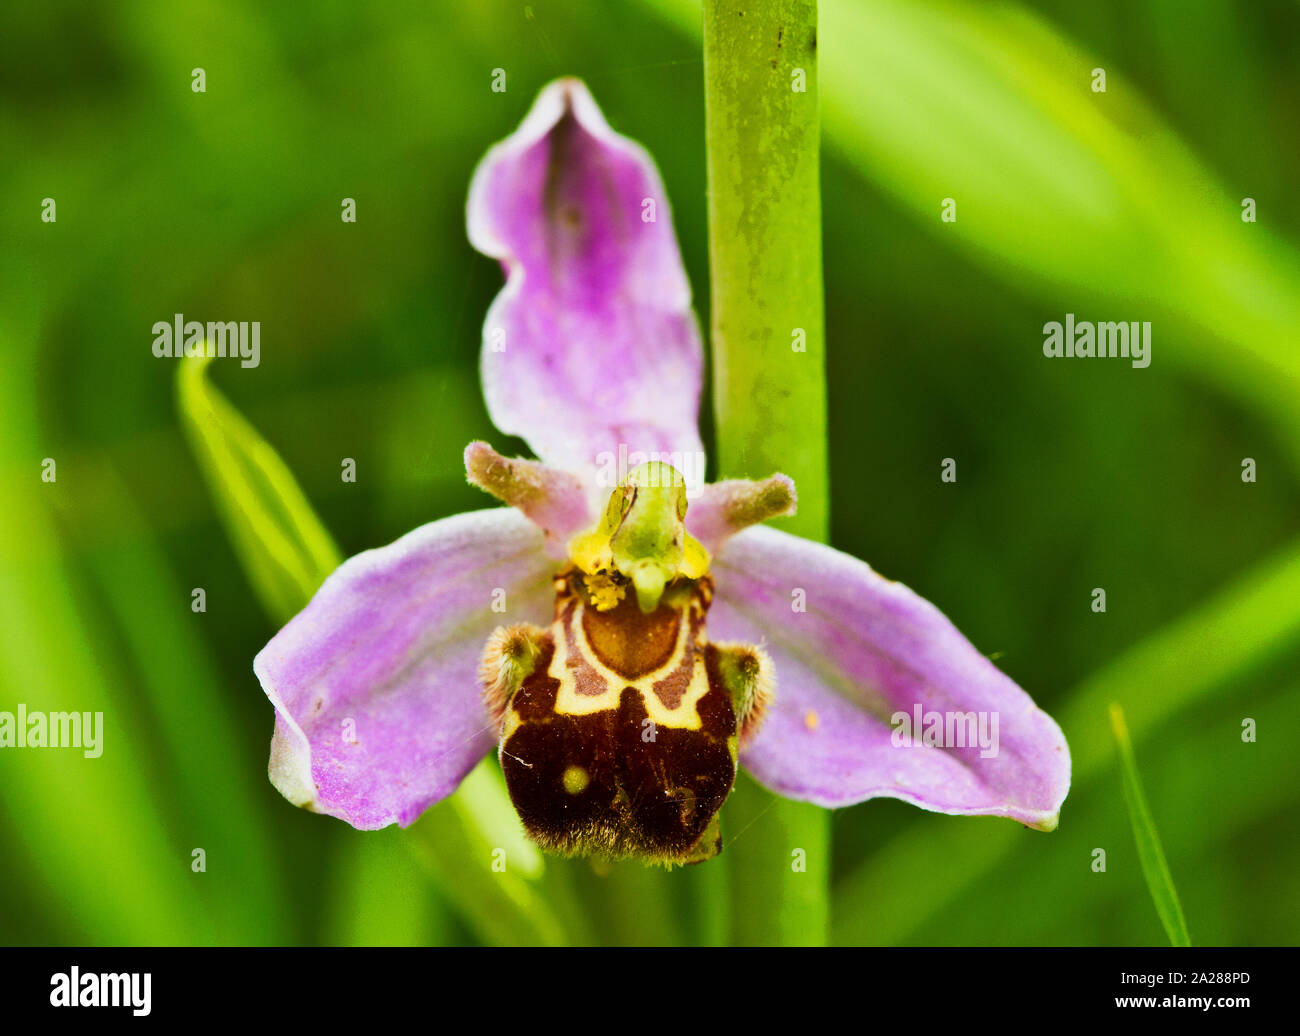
(592, 343)
(865, 648)
(375, 682)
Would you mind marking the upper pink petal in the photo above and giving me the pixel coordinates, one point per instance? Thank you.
(592, 343)
(863, 649)
(375, 682)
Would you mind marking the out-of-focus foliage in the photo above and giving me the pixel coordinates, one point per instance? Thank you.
(1072, 474)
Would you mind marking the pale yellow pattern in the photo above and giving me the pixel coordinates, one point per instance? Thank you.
(570, 703)
(513, 722)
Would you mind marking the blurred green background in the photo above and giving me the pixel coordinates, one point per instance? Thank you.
(1072, 474)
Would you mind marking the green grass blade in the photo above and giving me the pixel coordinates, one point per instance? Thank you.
(1154, 866)
(282, 545)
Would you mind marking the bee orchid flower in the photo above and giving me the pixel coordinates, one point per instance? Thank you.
(622, 633)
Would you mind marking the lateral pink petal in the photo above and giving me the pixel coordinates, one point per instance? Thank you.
(375, 682)
(555, 501)
(855, 653)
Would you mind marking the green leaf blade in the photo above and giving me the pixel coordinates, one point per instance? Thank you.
(1155, 868)
(283, 547)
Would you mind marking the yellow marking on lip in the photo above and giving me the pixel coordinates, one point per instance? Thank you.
(568, 702)
(575, 779)
(513, 722)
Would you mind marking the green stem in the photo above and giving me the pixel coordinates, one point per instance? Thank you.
(765, 251)
(763, 126)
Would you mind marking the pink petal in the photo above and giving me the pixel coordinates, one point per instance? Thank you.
(592, 344)
(726, 508)
(375, 682)
(553, 500)
(865, 649)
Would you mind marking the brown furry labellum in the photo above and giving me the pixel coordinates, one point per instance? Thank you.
(619, 729)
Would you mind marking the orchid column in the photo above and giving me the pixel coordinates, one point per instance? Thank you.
(768, 337)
